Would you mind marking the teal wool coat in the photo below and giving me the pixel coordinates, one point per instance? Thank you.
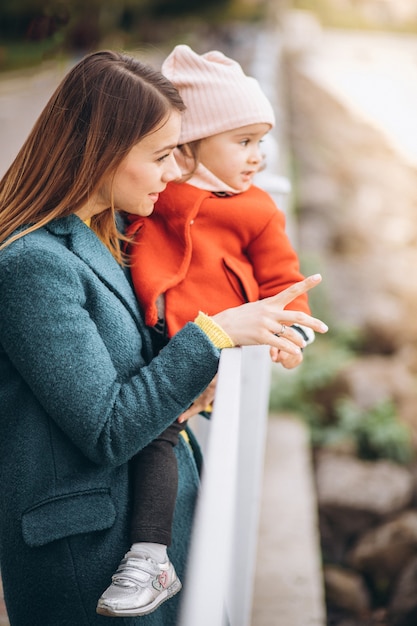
(80, 394)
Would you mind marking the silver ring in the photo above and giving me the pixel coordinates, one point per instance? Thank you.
(282, 331)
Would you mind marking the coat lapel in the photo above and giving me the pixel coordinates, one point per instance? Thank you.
(83, 242)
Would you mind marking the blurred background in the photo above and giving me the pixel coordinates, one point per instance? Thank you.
(32, 31)
(35, 30)
(344, 84)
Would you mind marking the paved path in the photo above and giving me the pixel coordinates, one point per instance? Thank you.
(22, 97)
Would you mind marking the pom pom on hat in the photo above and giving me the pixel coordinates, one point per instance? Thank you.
(217, 93)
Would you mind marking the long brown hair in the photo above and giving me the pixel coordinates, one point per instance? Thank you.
(106, 104)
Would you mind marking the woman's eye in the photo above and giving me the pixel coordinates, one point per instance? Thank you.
(162, 158)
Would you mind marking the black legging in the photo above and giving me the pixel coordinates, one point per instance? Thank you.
(155, 483)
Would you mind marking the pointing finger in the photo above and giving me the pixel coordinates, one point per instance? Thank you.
(289, 294)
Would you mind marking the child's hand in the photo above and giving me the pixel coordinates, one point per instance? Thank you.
(287, 360)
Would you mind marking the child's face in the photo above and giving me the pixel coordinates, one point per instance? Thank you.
(235, 155)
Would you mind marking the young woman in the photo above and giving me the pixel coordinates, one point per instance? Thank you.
(81, 390)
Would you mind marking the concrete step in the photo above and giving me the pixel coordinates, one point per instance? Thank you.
(288, 588)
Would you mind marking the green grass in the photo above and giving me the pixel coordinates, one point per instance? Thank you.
(17, 55)
(314, 392)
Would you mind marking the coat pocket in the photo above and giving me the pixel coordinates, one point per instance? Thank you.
(69, 514)
(241, 278)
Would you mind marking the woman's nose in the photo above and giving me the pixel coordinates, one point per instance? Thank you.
(172, 171)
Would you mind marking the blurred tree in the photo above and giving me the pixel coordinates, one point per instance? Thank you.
(180, 7)
(32, 19)
(21, 19)
(33, 30)
(93, 20)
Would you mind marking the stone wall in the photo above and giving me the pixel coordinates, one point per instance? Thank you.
(356, 202)
(368, 529)
(356, 206)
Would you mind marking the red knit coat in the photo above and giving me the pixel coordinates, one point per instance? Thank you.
(209, 253)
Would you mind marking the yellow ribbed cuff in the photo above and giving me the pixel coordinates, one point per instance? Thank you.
(214, 332)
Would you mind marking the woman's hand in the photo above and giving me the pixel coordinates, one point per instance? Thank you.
(267, 322)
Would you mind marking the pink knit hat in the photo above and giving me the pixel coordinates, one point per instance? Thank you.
(217, 93)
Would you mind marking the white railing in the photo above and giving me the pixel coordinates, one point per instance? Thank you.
(219, 584)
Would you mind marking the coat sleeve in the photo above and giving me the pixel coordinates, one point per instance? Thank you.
(275, 262)
(108, 408)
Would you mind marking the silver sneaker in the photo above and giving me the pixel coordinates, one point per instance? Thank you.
(138, 587)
